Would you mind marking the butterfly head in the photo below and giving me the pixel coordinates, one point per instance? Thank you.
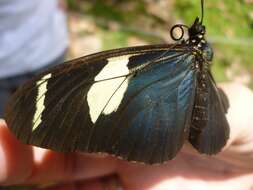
(197, 39)
(197, 32)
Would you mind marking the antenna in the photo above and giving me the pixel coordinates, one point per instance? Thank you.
(202, 10)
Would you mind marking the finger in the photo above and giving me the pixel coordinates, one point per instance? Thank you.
(240, 115)
(107, 182)
(53, 167)
(94, 184)
(15, 158)
(21, 164)
(140, 176)
(239, 149)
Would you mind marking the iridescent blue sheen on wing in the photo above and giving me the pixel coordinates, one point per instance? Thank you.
(149, 124)
(155, 113)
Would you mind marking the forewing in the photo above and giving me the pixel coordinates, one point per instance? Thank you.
(153, 118)
(134, 103)
(215, 133)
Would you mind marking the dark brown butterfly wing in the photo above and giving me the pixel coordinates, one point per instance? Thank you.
(210, 129)
(70, 108)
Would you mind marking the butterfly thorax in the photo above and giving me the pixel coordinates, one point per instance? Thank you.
(200, 47)
(203, 57)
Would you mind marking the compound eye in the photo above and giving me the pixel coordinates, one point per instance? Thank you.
(202, 29)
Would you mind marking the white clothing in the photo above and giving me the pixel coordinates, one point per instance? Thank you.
(32, 34)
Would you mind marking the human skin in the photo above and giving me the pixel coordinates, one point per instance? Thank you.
(231, 169)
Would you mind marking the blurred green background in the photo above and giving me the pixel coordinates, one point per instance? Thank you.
(125, 23)
(99, 25)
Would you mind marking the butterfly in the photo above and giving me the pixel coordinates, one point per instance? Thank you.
(137, 103)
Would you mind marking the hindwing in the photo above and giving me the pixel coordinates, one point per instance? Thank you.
(210, 134)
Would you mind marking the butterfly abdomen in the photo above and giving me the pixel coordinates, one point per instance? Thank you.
(200, 108)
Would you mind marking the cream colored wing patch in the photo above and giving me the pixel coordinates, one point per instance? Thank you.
(105, 96)
(42, 89)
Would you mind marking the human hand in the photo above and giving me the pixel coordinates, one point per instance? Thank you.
(231, 169)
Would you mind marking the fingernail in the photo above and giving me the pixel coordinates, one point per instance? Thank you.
(2, 122)
(2, 165)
